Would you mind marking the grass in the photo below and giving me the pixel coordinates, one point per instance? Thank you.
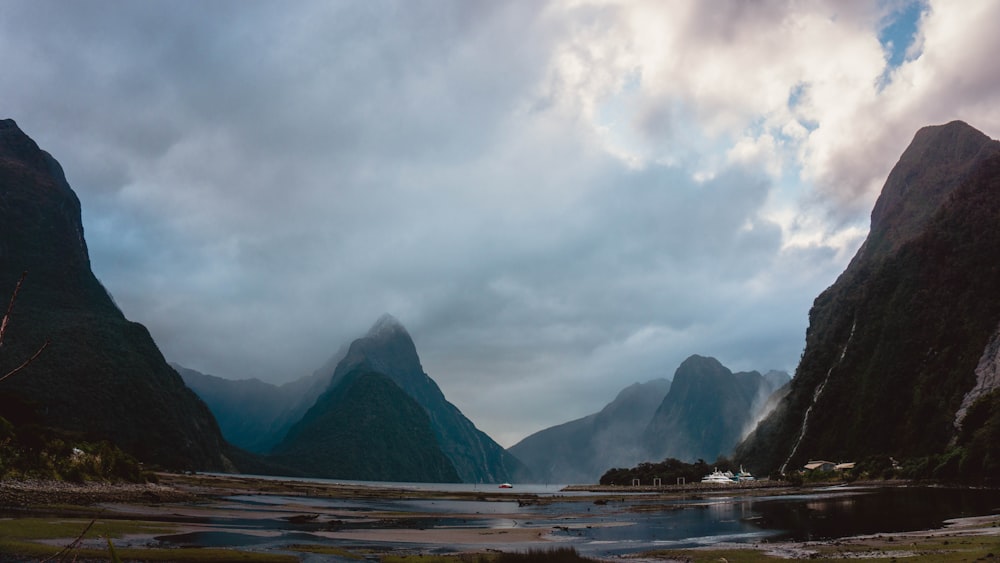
(55, 528)
(931, 549)
(326, 550)
(20, 537)
(200, 555)
(558, 555)
(712, 555)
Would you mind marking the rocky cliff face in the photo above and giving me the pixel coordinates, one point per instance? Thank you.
(893, 345)
(581, 450)
(102, 375)
(987, 378)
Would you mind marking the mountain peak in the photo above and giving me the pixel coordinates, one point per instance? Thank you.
(938, 160)
(386, 325)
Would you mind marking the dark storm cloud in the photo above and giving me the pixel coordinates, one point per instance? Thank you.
(549, 196)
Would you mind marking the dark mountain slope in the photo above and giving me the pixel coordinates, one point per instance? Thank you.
(366, 427)
(705, 412)
(581, 450)
(102, 375)
(252, 414)
(892, 347)
(389, 350)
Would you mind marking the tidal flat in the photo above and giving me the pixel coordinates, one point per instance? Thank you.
(226, 518)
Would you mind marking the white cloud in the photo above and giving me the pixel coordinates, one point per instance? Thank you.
(557, 200)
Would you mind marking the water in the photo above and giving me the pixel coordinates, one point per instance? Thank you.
(491, 488)
(612, 525)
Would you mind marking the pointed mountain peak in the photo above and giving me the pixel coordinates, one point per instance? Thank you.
(386, 325)
(938, 160)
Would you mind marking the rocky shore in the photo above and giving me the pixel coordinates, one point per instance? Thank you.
(29, 493)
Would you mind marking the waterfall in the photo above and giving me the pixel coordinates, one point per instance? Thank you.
(816, 394)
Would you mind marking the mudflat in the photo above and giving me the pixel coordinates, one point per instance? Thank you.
(225, 517)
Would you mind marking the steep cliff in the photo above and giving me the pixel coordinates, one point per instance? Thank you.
(101, 375)
(893, 345)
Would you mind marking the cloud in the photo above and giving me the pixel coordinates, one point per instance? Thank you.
(556, 199)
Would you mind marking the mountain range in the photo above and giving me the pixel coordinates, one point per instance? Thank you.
(252, 414)
(902, 360)
(702, 413)
(580, 450)
(288, 423)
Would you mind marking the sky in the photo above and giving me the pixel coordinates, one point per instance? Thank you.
(556, 198)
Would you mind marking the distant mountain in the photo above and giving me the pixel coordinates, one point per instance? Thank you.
(102, 376)
(905, 337)
(388, 349)
(706, 411)
(366, 427)
(252, 414)
(581, 450)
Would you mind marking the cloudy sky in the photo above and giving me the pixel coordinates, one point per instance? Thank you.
(557, 199)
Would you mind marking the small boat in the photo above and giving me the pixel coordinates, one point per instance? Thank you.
(744, 475)
(506, 486)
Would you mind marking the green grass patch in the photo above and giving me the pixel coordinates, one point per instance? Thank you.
(911, 550)
(326, 550)
(457, 558)
(55, 528)
(192, 555)
(558, 555)
(713, 555)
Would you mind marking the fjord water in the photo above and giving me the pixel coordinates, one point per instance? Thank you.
(628, 523)
(819, 515)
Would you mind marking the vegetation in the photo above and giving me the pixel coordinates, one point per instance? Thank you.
(366, 428)
(30, 450)
(974, 458)
(669, 471)
(559, 555)
(928, 549)
(102, 375)
(897, 341)
(38, 452)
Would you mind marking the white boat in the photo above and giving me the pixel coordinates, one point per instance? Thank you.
(744, 475)
(719, 477)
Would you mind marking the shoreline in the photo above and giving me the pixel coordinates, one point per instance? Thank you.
(192, 506)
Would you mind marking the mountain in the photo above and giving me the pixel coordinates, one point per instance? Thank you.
(388, 349)
(367, 428)
(906, 336)
(706, 411)
(101, 375)
(581, 450)
(252, 414)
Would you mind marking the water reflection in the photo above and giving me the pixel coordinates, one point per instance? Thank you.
(620, 525)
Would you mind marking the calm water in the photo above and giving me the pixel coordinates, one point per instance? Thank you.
(631, 523)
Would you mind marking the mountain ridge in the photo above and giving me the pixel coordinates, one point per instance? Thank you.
(581, 450)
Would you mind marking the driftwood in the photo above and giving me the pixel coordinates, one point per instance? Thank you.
(3, 330)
